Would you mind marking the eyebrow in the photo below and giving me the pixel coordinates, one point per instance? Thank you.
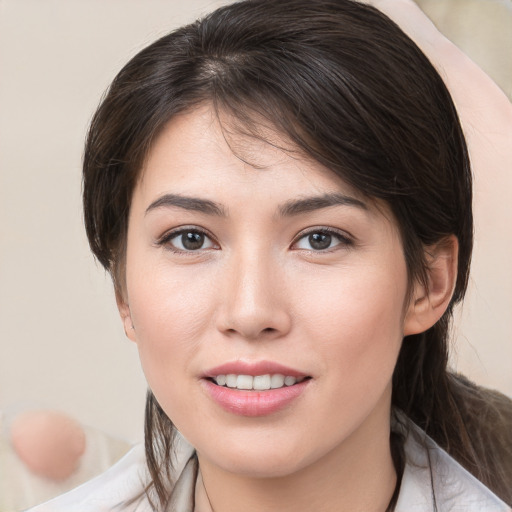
(187, 203)
(309, 204)
(288, 209)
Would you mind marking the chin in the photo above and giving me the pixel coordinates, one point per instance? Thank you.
(260, 460)
(269, 468)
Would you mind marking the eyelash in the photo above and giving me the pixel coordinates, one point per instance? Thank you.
(344, 240)
(166, 239)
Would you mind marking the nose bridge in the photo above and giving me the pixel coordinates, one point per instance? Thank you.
(254, 305)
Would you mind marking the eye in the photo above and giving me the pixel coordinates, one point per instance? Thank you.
(321, 240)
(187, 240)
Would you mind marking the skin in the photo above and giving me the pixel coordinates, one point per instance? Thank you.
(257, 290)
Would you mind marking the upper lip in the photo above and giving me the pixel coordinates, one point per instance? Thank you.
(253, 368)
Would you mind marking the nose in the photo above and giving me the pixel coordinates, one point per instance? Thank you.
(254, 303)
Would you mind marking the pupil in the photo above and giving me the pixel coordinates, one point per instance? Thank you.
(320, 241)
(192, 241)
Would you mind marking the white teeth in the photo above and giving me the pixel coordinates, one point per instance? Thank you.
(289, 381)
(244, 382)
(259, 382)
(231, 381)
(277, 381)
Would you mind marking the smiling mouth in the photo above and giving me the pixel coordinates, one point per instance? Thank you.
(257, 382)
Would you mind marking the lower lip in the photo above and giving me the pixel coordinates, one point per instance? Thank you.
(254, 403)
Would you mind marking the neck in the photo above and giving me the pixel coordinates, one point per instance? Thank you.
(357, 475)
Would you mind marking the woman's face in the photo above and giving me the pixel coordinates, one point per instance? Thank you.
(244, 271)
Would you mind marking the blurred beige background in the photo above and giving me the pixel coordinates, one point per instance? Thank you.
(61, 343)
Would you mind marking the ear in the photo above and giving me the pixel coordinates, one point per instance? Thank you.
(126, 316)
(428, 303)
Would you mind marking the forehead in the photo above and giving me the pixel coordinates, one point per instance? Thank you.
(200, 149)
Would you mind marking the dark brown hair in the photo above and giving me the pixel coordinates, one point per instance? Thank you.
(350, 90)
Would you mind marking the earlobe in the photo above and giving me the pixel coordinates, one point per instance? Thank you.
(126, 316)
(429, 302)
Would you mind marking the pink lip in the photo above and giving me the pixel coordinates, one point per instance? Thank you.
(254, 403)
(253, 368)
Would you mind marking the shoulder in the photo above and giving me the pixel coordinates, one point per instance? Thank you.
(118, 488)
(433, 480)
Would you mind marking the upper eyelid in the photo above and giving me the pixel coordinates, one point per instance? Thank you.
(319, 229)
(171, 233)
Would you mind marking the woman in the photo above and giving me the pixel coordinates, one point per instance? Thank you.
(282, 195)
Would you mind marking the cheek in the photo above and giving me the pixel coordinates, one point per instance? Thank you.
(170, 315)
(170, 311)
(359, 320)
(356, 333)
